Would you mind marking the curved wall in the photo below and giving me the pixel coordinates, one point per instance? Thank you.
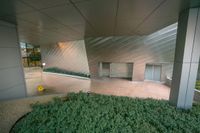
(86, 55)
(12, 83)
(156, 48)
(68, 55)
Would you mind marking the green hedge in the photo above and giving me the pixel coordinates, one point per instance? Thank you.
(35, 57)
(198, 85)
(62, 71)
(92, 113)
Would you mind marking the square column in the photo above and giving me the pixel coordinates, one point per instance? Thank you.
(138, 71)
(186, 61)
(12, 83)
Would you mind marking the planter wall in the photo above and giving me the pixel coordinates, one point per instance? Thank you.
(197, 95)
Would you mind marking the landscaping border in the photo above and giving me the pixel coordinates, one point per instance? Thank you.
(66, 75)
(23, 116)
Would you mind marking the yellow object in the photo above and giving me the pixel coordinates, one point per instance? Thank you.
(40, 88)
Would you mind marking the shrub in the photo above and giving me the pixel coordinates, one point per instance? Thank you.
(62, 71)
(198, 85)
(88, 113)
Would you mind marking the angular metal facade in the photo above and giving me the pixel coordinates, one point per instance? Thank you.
(68, 55)
(86, 55)
(156, 48)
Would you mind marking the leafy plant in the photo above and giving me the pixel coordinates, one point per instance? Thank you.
(62, 71)
(198, 85)
(88, 113)
(35, 56)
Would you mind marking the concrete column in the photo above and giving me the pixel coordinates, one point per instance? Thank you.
(12, 82)
(186, 59)
(138, 71)
(100, 69)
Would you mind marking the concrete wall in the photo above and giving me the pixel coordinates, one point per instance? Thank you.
(157, 48)
(12, 83)
(69, 56)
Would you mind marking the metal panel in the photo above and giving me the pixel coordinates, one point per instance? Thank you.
(66, 14)
(12, 7)
(132, 12)
(157, 73)
(101, 14)
(121, 70)
(69, 55)
(12, 57)
(149, 72)
(12, 83)
(89, 18)
(153, 72)
(166, 14)
(13, 92)
(105, 69)
(42, 4)
(39, 20)
(158, 47)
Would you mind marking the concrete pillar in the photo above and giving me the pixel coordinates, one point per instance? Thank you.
(100, 69)
(186, 59)
(138, 71)
(12, 82)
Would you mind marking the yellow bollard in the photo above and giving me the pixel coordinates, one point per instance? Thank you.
(40, 88)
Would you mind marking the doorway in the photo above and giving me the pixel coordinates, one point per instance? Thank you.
(153, 72)
(116, 70)
(105, 69)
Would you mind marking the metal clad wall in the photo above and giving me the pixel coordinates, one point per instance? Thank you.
(12, 83)
(153, 72)
(157, 73)
(69, 55)
(149, 72)
(158, 47)
(121, 70)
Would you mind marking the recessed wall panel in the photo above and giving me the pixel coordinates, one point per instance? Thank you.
(121, 70)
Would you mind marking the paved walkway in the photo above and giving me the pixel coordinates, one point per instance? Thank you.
(11, 111)
(61, 84)
(118, 87)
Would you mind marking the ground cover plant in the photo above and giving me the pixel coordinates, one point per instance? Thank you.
(93, 113)
(62, 71)
(198, 85)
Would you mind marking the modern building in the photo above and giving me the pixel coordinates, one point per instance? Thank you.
(135, 39)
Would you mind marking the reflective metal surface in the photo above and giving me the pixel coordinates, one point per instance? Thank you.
(156, 48)
(70, 56)
(44, 22)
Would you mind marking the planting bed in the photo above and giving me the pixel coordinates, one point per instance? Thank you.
(62, 71)
(89, 113)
